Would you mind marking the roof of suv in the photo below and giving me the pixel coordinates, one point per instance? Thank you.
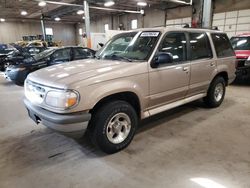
(164, 29)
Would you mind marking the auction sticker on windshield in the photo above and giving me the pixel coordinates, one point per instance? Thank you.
(150, 34)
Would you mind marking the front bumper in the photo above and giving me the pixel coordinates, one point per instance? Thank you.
(243, 71)
(16, 75)
(73, 124)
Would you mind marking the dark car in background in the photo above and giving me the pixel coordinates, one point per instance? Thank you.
(17, 55)
(52, 56)
(241, 46)
(6, 48)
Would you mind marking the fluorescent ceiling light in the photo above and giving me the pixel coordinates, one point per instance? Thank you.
(57, 19)
(109, 3)
(142, 4)
(2, 19)
(207, 183)
(42, 4)
(83, 17)
(80, 12)
(24, 13)
(181, 2)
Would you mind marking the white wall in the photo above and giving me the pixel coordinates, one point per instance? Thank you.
(13, 31)
(233, 22)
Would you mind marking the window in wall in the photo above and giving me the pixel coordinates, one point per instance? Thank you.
(175, 44)
(80, 31)
(222, 45)
(200, 46)
(49, 31)
(106, 27)
(134, 24)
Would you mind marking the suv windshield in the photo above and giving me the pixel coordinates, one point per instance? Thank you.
(240, 43)
(130, 46)
(44, 54)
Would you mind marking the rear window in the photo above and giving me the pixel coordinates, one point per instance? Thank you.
(200, 46)
(240, 43)
(222, 45)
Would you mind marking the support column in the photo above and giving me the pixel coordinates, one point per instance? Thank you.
(207, 13)
(87, 23)
(43, 27)
(202, 13)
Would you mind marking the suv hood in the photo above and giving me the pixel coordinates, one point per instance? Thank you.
(62, 75)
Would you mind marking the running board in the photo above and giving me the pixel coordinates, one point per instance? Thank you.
(174, 104)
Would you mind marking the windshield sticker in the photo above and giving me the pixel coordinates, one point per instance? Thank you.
(150, 34)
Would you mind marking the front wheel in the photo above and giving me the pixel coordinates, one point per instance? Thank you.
(113, 126)
(216, 93)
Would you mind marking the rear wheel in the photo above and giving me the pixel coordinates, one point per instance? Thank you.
(216, 93)
(113, 126)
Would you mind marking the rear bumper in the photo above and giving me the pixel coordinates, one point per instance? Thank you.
(73, 124)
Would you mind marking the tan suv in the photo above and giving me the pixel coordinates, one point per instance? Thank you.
(137, 74)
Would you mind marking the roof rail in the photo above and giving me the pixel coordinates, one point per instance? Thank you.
(184, 25)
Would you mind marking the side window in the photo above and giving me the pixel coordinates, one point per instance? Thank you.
(61, 55)
(200, 46)
(222, 45)
(80, 53)
(176, 45)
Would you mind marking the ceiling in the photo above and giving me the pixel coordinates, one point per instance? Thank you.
(10, 9)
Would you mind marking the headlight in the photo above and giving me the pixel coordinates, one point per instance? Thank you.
(62, 99)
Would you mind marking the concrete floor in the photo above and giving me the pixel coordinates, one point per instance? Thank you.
(188, 147)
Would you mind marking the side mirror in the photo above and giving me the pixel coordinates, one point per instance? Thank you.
(162, 58)
(101, 44)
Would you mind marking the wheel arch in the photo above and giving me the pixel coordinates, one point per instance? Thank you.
(128, 96)
(224, 75)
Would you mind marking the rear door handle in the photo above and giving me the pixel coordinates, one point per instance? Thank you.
(212, 64)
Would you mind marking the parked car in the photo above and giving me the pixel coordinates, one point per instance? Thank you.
(137, 74)
(241, 45)
(52, 56)
(18, 55)
(6, 48)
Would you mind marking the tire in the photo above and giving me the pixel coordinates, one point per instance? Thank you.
(216, 93)
(112, 117)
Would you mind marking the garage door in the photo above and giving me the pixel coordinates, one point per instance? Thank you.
(233, 23)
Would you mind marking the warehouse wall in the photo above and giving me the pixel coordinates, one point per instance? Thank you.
(13, 31)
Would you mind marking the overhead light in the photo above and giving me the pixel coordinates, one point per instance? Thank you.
(181, 2)
(109, 3)
(2, 19)
(24, 13)
(57, 19)
(83, 17)
(142, 4)
(80, 12)
(42, 4)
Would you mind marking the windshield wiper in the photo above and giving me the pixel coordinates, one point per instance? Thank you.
(116, 57)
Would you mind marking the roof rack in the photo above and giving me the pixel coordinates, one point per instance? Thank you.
(186, 25)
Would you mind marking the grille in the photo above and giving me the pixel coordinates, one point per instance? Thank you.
(241, 62)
